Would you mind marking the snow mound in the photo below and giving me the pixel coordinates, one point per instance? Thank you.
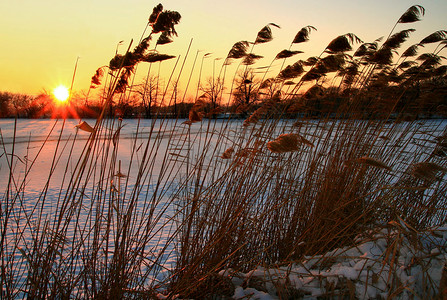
(395, 262)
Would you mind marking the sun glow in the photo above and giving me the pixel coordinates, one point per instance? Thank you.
(61, 93)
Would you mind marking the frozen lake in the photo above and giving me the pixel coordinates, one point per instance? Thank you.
(135, 168)
(138, 175)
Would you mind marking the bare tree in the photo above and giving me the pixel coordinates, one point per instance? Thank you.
(23, 104)
(4, 104)
(212, 90)
(246, 91)
(149, 94)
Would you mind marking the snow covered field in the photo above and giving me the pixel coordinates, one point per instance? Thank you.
(45, 154)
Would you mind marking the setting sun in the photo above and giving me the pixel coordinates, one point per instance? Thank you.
(61, 93)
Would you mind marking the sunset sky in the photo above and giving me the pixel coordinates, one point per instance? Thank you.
(42, 40)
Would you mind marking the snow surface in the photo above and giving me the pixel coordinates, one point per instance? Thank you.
(393, 262)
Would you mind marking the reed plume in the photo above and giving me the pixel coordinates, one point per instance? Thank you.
(427, 171)
(154, 57)
(286, 54)
(373, 162)
(195, 116)
(96, 79)
(310, 61)
(334, 62)
(161, 22)
(291, 71)
(429, 60)
(155, 13)
(196, 112)
(166, 22)
(366, 49)
(406, 64)
(411, 51)
(303, 35)
(250, 59)
(85, 127)
(164, 39)
(228, 153)
(413, 14)
(238, 50)
(288, 143)
(396, 40)
(435, 37)
(265, 34)
(342, 43)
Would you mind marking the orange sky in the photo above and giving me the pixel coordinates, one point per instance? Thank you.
(41, 40)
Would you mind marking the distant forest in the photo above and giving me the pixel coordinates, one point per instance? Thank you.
(424, 99)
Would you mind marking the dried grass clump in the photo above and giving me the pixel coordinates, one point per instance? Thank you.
(370, 268)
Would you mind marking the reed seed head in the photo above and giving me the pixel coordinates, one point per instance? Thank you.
(96, 79)
(85, 127)
(166, 21)
(265, 34)
(238, 50)
(228, 153)
(154, 57)
(291, 71)
(427, 171)
(413, 14)
(195, 116)
(155, 12)
(163, 39)
(286, 54)
(373, 162)
(288, 143)
(303, 34)
(396, 40)
(250, 59)
(342, 43)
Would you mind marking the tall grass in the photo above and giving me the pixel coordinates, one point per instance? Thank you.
(204, 195)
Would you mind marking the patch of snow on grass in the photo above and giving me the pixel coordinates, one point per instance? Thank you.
(392, 264)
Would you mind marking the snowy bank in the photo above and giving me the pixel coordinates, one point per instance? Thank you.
(394, 262)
